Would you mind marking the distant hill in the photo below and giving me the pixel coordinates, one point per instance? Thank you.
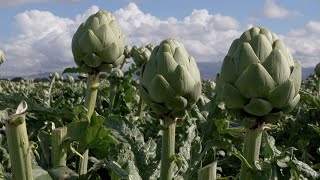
(208, 70)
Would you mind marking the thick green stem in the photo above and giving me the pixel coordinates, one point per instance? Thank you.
(58, 154)
(251, 150)
(19, 148)
(113, 93)
(90, 103)
(168, 145)
(208, 172)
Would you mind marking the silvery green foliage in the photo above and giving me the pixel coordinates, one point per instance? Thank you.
(1, 57)
(98, 44)
(258, 77)
(141, 55)
(317, 69)
(170, 80)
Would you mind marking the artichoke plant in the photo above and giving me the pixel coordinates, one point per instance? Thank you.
(258, 81)
(259, 78)
(141, 55)
(1, 57)
(98, 44)
(170, 83)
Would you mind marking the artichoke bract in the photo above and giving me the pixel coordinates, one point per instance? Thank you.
(98, 44)
(1, 57)
(170, 80)
(317, 69)
(258, 77)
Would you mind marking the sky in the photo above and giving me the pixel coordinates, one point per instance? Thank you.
(36, 35)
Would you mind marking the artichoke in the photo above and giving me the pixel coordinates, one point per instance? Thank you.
(1, 57)
(317, 69)
(170, 80)
(258, 77)
(141, 55)
(98, 44)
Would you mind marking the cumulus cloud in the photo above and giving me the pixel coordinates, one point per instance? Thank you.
(274, 11)
(41, 43)
(304, 43)
(206, 36)
(42, 40)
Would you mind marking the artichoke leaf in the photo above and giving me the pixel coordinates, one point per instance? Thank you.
(92, 60)
(181, 57)
(255, 81)
(105, 34)
(292, 103)
(267, 34)
(277, 66)
(160, 90)
(176, 103)
(166, 65)
(296, 76)
(181, 81)
(244, 57)
(281, 95)
(258, 107)
(228, 71)
(94, 24)
(89, 42)
(261, 46)
(232, 97)
(109, 53)
(233, 47)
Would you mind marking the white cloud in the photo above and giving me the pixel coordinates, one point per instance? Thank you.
(274, 11)
(42, 40)
(206, 36)
(305, 43)
(42, 43)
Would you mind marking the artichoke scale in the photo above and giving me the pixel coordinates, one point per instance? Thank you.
(228, 72)
(244, 57)
(160, 90)
(92, 60)
(282, 94)
(105, 35)
(232, 97)
(255, 81)
(89, 42)
(296, 76)
(261, 46)
(292, 103)
(277, 66)
(258, 107)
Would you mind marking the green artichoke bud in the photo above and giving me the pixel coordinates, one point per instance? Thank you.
(170, 80)
(317, 69)
(98, 44)
(127, 51)
(140, 55)
(1, 57)
(258, 77)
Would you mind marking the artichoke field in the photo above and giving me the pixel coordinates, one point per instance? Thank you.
(258, 120)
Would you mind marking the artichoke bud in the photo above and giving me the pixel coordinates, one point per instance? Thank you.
(98, 42)
(259, 78)
(170, 81)
(117, 73)
(317, 69)
(1, 57)
(127, 51)
(140, 55)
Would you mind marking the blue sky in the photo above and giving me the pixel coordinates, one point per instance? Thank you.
(36, 34)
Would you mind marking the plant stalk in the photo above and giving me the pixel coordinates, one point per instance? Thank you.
(208, 172)
(168, 146)
(251, 150)
(90, 103)
(58, 154)
(140, 107)
(19, 148)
